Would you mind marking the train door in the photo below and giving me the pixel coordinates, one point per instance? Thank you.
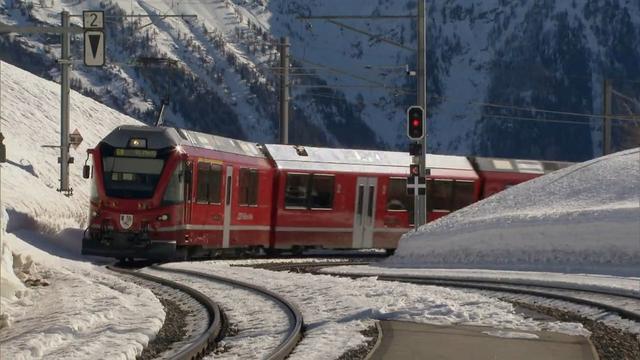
(364, 216)
(228, 195)
(188, 186)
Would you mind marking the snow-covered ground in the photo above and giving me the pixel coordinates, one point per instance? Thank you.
(72, 309)
(335, 310)
(584, 218)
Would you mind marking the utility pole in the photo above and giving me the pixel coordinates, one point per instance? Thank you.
(284, 90)
(421, 206)
(65, 63)
(606, 126)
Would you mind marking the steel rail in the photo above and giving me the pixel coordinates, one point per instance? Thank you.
(524, 288)
(533, 288)
(198, 348)
(285, 348)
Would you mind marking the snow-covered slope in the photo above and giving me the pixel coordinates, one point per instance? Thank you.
(543, 54)
(70, 309)
(582, 218)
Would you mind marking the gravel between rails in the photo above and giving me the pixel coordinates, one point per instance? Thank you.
(173, 330)
(610, 343)
(363, 351)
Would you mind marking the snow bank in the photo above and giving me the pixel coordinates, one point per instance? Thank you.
(585, 218)
(30, 118)
(69, 309)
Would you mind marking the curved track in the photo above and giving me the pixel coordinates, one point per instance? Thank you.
(294, 315)
(202, 343)
(625, 304)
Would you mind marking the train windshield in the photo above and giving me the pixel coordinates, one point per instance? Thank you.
(130, 177)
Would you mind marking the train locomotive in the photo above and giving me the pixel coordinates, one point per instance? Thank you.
(165, 193)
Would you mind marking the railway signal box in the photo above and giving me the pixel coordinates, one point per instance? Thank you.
(415, 123)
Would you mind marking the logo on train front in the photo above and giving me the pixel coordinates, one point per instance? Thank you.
(126, 220)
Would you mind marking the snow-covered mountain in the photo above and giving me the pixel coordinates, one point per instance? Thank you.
(519, 54)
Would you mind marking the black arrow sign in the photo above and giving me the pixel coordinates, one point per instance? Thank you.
(94, 41)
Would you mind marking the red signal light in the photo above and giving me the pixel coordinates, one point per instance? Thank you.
(415, 123)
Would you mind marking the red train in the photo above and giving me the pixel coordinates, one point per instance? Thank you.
(165, 193)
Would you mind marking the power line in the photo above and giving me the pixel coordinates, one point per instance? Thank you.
(348, 86)
(521, 108)
(367, 17)
(521, 118)
(371, 36)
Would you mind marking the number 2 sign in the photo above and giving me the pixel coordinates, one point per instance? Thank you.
(92, 20)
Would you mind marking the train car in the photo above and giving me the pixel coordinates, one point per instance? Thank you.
(500, 174)
(162, 193)
(351, 199)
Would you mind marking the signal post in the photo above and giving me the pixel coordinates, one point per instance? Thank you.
(416, 182)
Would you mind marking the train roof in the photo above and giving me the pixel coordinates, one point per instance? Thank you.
(162, 137)
(518, 165)
(307, 158)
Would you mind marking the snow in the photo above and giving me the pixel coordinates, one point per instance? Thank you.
(71, 309)
(584, 218)
(511, 334)
(261, 323)
(607, 283)
(335, 310)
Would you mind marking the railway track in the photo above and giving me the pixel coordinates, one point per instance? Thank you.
(295, 321)
(203, 321)
(614, 337)
(626, 304)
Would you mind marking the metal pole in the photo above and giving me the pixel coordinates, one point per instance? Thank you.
(284, 90)
(65, 63)
(606, 129)
(422, 102)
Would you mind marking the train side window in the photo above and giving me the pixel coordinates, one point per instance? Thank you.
(174, 194)
(296, 190)
(440, 194)
(397, 198)
(462, 194)
(322, 189)
(248, 187)
(215, 184)
(203, 183)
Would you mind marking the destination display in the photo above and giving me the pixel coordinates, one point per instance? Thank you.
(139, 153)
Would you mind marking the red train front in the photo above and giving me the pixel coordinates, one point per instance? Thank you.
(162, 193)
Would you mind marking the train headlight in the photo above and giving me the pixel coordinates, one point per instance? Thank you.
(163, 217)
(137, 143)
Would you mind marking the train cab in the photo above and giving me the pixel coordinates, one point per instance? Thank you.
(161, 193)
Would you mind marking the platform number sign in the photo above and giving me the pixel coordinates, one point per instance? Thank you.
(94, 42)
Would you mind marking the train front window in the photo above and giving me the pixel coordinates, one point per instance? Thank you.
(129, 177)
(174, 194)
